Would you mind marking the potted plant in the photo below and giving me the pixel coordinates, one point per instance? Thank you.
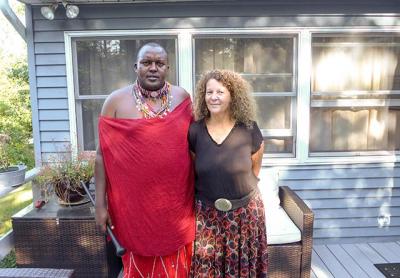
(63, 178)
(10, 175)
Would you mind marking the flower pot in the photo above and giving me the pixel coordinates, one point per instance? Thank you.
(70, 194)
(13, 175)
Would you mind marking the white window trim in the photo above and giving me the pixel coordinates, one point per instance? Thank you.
(185, 72)
(71, 87)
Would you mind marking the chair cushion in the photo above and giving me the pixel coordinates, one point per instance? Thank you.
(269, 188)
(280, 228)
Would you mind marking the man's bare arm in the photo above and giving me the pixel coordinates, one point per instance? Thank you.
(102, 216)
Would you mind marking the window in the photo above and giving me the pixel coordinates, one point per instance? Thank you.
(268, 63)
(102, 65)
(355, 94)
(345, 85)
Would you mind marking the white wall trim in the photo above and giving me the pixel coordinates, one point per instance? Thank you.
(303, 96)
(71, 95)
(185, 62)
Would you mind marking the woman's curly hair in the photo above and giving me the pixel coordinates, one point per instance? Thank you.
(242, 106)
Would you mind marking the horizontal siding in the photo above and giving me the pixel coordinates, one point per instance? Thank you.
(354, 202)
(52, 157)
(54, 81)
(50, 115)
(56, 147)
(349, 193)
(57, 136)
(347, 201)
(53, 104)
(204, 22)
(52, 93)
(356, 232)
(354, 223)
(46, 48)
(342, 173)
(329, 213)
(48, 70)
(341, 183)
(54, 125)
(50, 59)
(52, 37)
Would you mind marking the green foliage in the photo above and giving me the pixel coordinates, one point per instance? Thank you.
(65, 175)
(15, 113)
(9, 261)
(4, 159)
(19, 73)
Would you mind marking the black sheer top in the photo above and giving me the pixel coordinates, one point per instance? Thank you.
(224, 170)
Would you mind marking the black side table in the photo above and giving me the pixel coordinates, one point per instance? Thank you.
(63, 237)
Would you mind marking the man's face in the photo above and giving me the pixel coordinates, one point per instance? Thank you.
(152, 68)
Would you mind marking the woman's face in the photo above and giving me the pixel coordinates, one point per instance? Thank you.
(218, 98)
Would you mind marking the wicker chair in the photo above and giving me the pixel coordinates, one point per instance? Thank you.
(294, 259)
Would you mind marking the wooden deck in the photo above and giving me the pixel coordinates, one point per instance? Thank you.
(353, 260)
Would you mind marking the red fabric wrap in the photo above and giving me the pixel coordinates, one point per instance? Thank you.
(150, 181)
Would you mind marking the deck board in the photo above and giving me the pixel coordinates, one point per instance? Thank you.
(355, 260)
(331, 262)
(362, 260)
(385, 252)
(347, 261)
(318, 267)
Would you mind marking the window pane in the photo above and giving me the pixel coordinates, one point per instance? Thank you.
(364, 129)
(90, 115)
(363, 63)
(278, 145)
(105, 65)
(273, 112)
(352, 77)
(267, 63)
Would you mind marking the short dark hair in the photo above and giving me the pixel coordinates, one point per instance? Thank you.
(150, 44)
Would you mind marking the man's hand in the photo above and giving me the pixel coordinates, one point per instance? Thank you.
(103, 218)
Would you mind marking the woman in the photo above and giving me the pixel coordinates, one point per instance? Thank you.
(227, 147)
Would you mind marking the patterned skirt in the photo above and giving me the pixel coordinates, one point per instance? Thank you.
(230, 244)
(172, 266)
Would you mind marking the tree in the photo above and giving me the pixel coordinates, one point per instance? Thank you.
(15, 110)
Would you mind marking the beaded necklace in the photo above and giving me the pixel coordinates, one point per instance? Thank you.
(141, 96)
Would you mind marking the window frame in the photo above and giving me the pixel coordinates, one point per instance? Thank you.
(263, 33)
(185, 68)
(74, 99)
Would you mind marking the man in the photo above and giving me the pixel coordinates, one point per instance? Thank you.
(143, 172)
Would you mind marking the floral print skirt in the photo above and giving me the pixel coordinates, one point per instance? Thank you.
(230, 244)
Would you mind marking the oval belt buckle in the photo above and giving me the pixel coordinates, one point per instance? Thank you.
(223, 204)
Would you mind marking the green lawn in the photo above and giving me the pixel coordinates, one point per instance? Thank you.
(12, 203)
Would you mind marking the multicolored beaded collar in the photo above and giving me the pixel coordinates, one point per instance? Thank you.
(163, 91)
(147, 109)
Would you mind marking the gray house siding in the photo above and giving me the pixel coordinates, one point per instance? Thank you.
(347, 200)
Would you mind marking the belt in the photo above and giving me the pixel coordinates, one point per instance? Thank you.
(224, 204)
